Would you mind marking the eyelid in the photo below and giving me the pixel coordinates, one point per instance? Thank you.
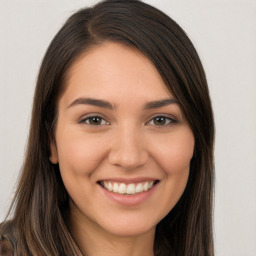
(83, 119)
(172, 119)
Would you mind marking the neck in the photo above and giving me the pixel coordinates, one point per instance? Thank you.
(92, 240)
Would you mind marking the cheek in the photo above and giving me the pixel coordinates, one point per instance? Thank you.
(174, 152)
(173, 155)
(78, 153)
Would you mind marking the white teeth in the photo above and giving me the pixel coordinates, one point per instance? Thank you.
(122, 189)
(115, 187)
(145, 186)
(109, 186)
(129, 189)
(139, 188)
(104, 183)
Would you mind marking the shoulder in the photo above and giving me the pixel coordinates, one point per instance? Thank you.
(5, 246)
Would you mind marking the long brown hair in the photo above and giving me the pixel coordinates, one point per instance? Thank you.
(41, 200)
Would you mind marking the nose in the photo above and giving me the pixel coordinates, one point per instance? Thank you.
(128, 149)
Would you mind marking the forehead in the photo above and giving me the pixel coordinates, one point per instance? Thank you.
(113, 69)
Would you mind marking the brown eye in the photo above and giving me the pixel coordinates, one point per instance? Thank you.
(94, 120)
(161, 121)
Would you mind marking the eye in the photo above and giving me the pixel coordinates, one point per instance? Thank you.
(161, 121)
(94, 120)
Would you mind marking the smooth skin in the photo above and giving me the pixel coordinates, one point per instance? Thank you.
(124, 131)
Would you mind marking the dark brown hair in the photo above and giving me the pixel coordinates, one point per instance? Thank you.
(41, 200)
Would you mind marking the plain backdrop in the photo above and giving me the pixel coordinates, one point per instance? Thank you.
(224, 33)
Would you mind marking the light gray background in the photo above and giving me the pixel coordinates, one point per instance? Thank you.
(223, 31)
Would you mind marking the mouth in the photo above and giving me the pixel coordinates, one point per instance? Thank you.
(122, 188)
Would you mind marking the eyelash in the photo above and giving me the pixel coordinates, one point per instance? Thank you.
(88, 118)
(167, 120)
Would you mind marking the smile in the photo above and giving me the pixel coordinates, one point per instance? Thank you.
(127, 189)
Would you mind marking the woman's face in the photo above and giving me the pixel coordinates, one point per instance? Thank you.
(122, 142)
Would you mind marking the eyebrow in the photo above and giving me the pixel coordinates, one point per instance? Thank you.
(108, 105)
(161, 103)
(92, 101)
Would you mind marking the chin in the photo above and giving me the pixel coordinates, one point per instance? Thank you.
(130, 231)
(127, 226)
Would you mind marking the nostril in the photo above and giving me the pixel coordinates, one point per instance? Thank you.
(128, 160)
(127, 150)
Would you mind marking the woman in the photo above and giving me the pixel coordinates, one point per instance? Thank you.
(120, 152)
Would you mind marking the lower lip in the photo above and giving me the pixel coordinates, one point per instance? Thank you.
(129, 200)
